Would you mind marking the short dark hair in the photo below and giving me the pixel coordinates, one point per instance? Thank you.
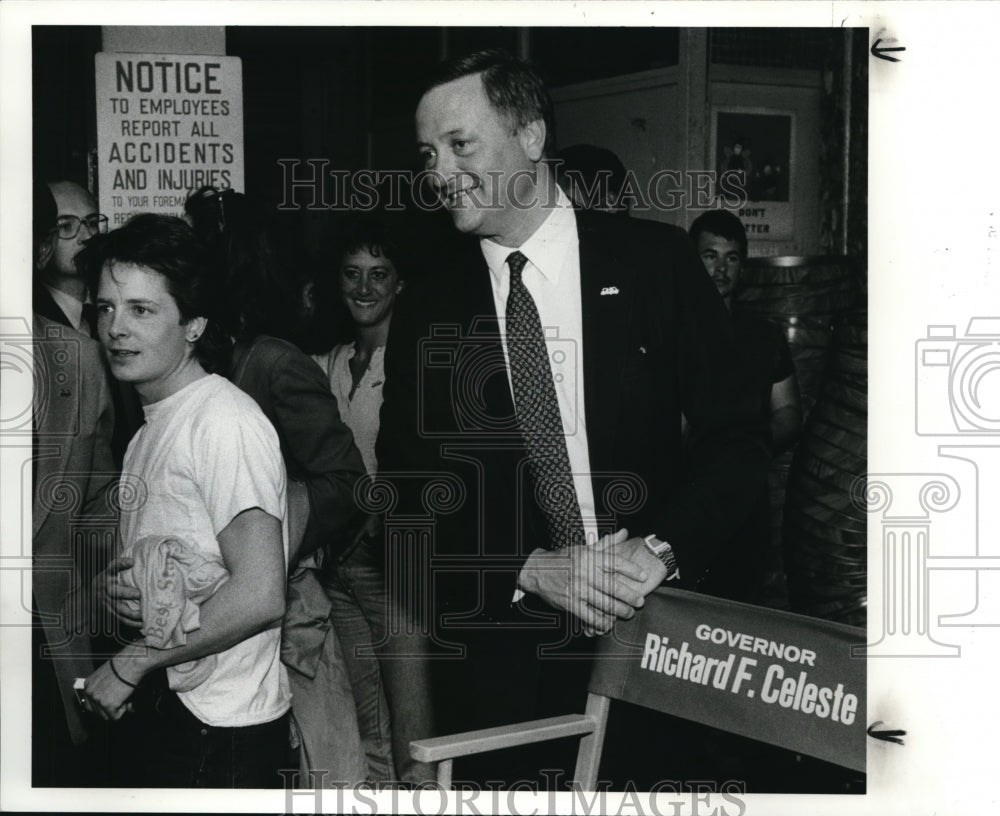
(724, 224)
(381, 234)
(167, 245)
(514, 87)
(372, 233)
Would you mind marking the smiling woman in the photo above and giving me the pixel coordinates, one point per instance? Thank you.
(368, 268)
(369, 284)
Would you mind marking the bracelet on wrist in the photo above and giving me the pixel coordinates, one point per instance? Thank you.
(121, 679)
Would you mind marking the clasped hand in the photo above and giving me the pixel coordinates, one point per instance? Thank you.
(597, 583)
(115, 596)
(109, 687)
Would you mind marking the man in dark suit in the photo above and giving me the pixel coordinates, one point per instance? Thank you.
(73, 530)
(634, 335)
(74, 420)
(64, 217)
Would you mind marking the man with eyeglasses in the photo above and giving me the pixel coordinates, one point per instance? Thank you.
(73, 426)
(65, 215)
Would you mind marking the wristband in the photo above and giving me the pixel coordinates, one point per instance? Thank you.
(114, 671)
(665, 553)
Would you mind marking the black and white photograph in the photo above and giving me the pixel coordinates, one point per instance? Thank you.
(758, 146)
(470, 408)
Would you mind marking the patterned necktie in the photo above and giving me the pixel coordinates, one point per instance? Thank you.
(538, 413)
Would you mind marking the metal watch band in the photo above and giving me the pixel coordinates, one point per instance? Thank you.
(665, 553)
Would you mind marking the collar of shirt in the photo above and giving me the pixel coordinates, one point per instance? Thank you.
(376, 364)
(546, 249)
(72, 308)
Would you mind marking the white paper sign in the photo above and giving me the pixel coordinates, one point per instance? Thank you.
(166, 125)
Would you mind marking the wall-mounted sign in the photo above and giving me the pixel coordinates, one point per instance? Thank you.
(758, 146)
(167, 124)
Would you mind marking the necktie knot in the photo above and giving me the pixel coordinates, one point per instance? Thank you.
(516, 261)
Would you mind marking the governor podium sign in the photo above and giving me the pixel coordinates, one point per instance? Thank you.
(773, 676)
(167, 124)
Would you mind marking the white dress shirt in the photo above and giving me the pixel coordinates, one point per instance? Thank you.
(552, 276)
(360, 413)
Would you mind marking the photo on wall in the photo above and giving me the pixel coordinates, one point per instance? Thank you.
(758, 146)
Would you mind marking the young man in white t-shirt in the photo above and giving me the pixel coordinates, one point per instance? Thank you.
(211, 467)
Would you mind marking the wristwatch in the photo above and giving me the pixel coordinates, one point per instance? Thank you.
(665, 553)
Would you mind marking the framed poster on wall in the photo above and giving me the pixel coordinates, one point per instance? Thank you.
(758, 146)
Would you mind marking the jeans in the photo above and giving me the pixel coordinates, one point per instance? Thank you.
(178, 750)
(323, 712)
(388, 666)
(324, 715)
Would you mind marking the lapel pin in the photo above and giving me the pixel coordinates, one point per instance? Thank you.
(609, 290)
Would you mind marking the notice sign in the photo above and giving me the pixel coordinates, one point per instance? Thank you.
(769, 675)
(166, 125)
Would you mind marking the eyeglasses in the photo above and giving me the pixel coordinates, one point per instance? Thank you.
(68, 226)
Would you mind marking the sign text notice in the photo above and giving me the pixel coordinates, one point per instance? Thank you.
(166, 125)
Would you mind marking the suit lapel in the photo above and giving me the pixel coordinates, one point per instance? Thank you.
(476, 292)
(57, 413)
(477, 288)
(607, 302)
(44, 304)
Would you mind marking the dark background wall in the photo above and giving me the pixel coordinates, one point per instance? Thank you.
(347, 95)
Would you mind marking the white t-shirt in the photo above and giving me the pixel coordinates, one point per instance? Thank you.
(204, 455)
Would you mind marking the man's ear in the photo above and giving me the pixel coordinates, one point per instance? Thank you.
(45, 250)
(195, 328)
(532, 138)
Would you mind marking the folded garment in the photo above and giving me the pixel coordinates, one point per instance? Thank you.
(174, 579)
